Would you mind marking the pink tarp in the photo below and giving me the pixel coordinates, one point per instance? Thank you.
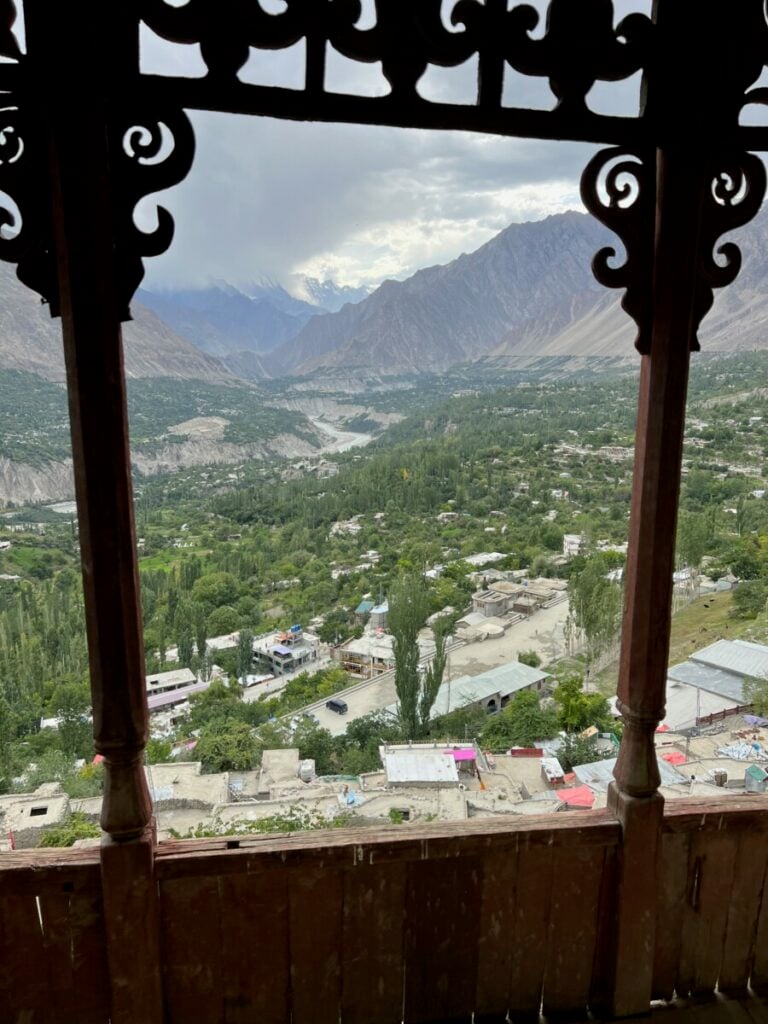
(462, 755)
(663, 727)
(578, 796)
(674, 757)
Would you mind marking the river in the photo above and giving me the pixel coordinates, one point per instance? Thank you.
(340, 440)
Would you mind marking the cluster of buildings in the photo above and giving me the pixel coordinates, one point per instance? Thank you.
(441, 781)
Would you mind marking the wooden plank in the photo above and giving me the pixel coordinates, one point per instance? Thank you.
(132, 929)
(710, 873)
(576, 878)
(496, 935)
(731, 814)
(36, 872)
(604, 964)
(254, 957)
(670, 910)
(343, 848)
(24, 993)
(443, 917)
(372, 950)
(75, 954)
(315, 909)
(759, 971)
(531, 934)
(190, 941)
(743, 912)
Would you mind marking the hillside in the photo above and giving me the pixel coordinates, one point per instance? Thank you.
(528, 294)
(30, 341)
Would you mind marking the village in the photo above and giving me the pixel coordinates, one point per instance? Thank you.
(708, 745)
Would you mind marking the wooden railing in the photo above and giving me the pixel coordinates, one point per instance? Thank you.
(419, 924)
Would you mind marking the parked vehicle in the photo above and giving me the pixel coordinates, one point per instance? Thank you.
(337, 705)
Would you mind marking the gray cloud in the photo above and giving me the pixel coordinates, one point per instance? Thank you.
(275, 198)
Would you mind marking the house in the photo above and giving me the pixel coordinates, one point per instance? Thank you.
(25, 817)
(363, 611)
(491, 690)
(572, 544)
(711, 682)
(378, 617)
(489, 603)
(162, 682)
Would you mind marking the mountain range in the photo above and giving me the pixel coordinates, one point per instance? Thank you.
(525, 295)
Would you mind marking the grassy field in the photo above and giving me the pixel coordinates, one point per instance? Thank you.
(700, 623)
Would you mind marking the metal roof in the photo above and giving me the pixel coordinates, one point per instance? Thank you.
(504, 680)
(738, 656)
(170, 697)
(420, 766)
(705, 677)
(599, 774)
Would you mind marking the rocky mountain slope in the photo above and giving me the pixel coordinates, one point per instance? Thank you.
(240, 327)
(527, 294)
(31, 341)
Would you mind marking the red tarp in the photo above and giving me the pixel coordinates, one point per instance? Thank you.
(674, 757)
(579, 796)
(663, 727)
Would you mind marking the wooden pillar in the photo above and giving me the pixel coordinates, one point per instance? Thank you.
(634, 796)
(77, 54)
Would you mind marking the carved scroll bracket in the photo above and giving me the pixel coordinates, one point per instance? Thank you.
(150, 150)
(618, 188)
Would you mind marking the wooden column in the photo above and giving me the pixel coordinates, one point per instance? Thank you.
(78, 53)
(634, 796)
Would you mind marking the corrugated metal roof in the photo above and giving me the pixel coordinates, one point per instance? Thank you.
(504, 680)
(739, 656)
(177, 696)
(705, 677)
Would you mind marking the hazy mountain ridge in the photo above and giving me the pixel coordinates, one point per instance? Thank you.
(30, 340)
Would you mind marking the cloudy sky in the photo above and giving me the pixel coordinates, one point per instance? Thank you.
(351, 203)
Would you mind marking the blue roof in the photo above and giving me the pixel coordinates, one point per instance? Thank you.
(281, 649)
(363, 607)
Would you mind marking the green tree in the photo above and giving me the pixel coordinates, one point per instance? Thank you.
(158, 751)
(219, 703)
(215, 589)
(595, 604)
(76, 827)
(756, 694)
(521, 722)
(578, 710)
(693, 534)
(244, 654)
(576, 750)
(228, 746)
(749, 599)
(70, 703)
(433, 677)
(408, 610)
(530, 658)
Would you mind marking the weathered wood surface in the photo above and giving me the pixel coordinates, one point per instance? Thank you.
(343, 848)
(131, 924)
(52, 960)
(415, 924)
(372, 946)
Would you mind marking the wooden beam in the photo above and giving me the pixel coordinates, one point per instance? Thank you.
(79, 56)
(73, 71)
(634, 797)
